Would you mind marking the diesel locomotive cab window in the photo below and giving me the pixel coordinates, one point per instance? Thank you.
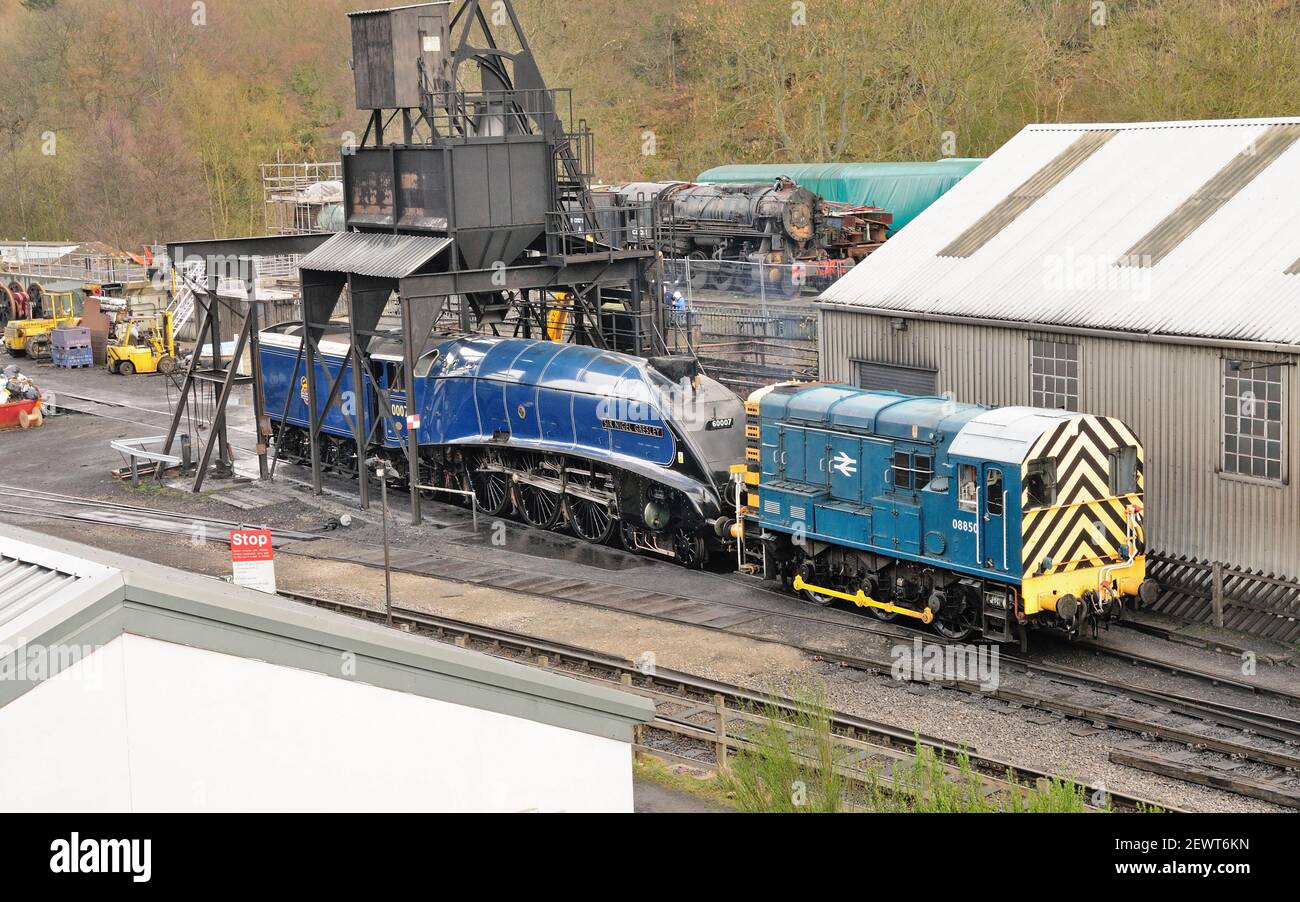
(1254, 397)
(994, 503)
(1123, 471)
(1040, 483)
(1053, 375)
(968, 489)
(924, 468)
(902, 470)
(912, 471)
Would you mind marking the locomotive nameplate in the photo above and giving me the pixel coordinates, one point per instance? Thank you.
(634, 428)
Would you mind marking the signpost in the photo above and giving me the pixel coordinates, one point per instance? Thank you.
(252, 559)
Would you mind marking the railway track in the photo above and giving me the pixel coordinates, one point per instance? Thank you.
(718, 718)
(1198, 735)
(33, 502)
(1219, 736)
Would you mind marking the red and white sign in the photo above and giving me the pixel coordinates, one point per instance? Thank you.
(413, 421)
(252, 559)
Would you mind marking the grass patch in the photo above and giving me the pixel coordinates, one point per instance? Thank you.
(149, 487)
(655, 770)
(795, 764)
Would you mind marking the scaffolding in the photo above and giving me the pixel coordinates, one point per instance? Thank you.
(301, 198)
(88, 268)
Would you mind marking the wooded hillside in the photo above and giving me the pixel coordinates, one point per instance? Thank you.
(130, 121)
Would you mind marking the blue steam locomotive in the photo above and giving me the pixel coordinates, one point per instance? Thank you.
(609, 445)
(978, 520)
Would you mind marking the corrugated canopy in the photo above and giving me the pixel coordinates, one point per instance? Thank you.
(382, 256)
(1060, 261)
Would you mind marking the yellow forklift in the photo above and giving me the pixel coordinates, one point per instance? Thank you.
(147, 345)
(46, 310)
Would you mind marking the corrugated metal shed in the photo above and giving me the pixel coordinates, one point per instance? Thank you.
(382, 256)
(1059, 261)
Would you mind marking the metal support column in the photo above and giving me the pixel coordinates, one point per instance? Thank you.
(408, 383)
(261, 423)
(224, 465)
(358, 406)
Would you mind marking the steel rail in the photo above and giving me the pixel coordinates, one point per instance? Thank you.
(893, 740)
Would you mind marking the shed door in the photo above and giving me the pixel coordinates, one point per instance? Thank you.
(905, 379)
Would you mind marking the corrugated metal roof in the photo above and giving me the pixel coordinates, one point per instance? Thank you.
(382, 256)
(31, 577)
(1236, 174)
(1024, 197)
(1057, 262)
(393, 9)
(24, 585)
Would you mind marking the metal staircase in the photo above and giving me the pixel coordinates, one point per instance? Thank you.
(192, 277)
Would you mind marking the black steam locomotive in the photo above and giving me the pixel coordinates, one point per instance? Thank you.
(736, 236)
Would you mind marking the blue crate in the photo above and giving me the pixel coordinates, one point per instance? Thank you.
(72, 358)
(69, 337)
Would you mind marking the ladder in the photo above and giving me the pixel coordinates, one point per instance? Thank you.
(192, 276)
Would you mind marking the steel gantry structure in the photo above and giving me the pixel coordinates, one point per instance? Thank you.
(467, 198)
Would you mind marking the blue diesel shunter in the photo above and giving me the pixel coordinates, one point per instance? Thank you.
(560, 435)
(976, 519)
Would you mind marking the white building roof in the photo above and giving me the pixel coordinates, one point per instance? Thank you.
(1043, 231)
(59, 593)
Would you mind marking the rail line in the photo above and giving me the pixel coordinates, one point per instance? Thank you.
(1212, 729)
(112, 513)
(721, 717)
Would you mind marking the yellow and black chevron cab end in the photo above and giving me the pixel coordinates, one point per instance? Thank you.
(1083, 542)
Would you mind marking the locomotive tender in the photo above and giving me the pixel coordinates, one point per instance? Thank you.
(980, 520)
(551, 433)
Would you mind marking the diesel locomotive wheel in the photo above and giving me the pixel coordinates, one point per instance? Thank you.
(688, 548)
(590, 520)
(958, 618)
(491, 492)
(809, 574)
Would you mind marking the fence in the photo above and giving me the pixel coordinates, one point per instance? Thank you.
(1246, 601)
(79, 267)
(766, 282)
(744, 340)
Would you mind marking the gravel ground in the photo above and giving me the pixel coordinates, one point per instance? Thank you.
(994, 728)
(70, 455)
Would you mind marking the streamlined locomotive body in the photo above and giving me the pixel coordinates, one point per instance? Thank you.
(605, 443)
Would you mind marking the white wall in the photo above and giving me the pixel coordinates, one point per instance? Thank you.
(143, 725)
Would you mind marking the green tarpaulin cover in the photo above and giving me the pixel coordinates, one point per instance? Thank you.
(904, 189)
